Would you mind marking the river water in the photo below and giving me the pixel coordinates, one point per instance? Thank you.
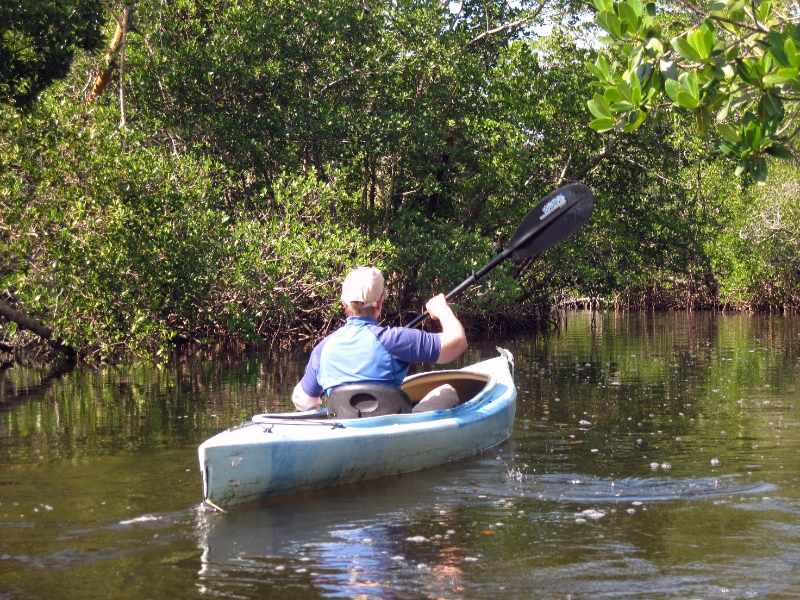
(652, 456)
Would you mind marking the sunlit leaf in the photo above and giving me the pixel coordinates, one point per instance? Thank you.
(729, 133)
(602, 124)
(683, 48)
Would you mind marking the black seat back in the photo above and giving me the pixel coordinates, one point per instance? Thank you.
(358, 400)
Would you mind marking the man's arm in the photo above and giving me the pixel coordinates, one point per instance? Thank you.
(453, 340)
(303, 401)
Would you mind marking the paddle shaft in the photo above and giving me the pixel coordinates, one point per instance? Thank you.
(476, 276)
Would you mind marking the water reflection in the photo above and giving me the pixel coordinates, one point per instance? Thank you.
(653, 455)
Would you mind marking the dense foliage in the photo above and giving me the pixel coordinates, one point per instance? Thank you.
(38, 41)
(735, 61)
(268, 147)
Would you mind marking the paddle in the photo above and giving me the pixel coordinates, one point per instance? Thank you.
(559, 215)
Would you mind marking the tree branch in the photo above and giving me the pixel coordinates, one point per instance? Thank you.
(126, 17)
(602, 154)
(521, 21)
(703, 13)
(31, 324)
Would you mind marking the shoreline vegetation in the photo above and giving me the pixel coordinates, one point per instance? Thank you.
(202, 173)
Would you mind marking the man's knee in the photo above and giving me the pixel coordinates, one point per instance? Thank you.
(444, 396)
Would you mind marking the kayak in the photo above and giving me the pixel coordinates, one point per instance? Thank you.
(286, 453)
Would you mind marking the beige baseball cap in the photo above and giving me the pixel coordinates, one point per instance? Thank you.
(364, 284)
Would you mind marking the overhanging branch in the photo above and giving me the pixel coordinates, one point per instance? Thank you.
(31, 324)
(521, 21)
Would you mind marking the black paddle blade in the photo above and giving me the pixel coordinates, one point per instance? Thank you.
(554, 219)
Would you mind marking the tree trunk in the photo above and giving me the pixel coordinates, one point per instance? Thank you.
(31, 324)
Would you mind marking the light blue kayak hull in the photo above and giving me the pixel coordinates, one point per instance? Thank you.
(275, 456)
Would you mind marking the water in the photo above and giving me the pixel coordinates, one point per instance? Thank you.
(652, 456)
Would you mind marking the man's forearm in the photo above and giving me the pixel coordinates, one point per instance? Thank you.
(453, 340)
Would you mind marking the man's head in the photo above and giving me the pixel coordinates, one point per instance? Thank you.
(362, 292)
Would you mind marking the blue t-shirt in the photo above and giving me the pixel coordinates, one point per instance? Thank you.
(361, 351)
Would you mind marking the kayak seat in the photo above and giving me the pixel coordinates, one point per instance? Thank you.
(359, 400)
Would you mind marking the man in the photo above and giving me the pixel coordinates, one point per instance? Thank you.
(362, 351)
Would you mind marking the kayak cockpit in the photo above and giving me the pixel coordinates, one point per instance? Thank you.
(468, 385)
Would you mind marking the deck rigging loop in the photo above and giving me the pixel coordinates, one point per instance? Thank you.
(272, 420)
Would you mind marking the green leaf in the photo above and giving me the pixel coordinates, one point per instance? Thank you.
(729, 133)
(779, 151)
(655, 47)
(637, 7)
(752, 135)
(690, 84)
(623, 106)
(612, 95)
(625, 91)
(602, 125)
(599, 107)
(780, 76)
(594, 70)
(760, 171)
(702, 41)
(672, 88)
(686, 100)
(668, 69)
(683, 48)
(604, 5)
(773, 106)
(723, 114)
(610, 22)
(790, 49)
(635, 119)
(626, 13)
(775, 46)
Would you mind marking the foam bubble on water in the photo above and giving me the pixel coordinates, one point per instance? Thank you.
(470, 559)
(631, 511)
(422, 566)
(142, 519)
(714, 462)
(584, 422)
(398, 558)
(280, 568)
(301, 570)
(595, 450)
(654, 466)
(591, 513)
(416, 538)
(666, 466)
(580, 521)
(636, 503)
